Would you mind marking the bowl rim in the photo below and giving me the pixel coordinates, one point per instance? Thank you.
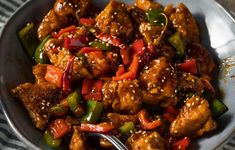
(26, 141)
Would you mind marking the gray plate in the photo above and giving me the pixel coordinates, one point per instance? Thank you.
(217, 32)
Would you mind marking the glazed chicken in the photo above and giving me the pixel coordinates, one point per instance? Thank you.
(98, 63)
(205, 62)
(61, 14)
(149, 32)
(137, 16)
(77, 141)
(146, 141)
(147, 5)
(190, 84)
(158, 82)
(114, 20)
(38, 98)
(183, 21)
(194, 117)
(122, 96)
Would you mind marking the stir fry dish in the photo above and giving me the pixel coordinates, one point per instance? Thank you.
(138, 72)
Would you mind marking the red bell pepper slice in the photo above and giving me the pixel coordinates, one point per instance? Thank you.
(181, 144)
(89, 85)
(125, 54)
(74, 44)
(110, 39)
(138, 46)
(125, 76)
(121, 70)
(86, 50)
(134, 64)
(189, 66)
(172, 110)
(58, 128)
(98, 85)
(145, 122)
(131, 74)
(168, 116)
(93, 96)
(102, 127)
(54, 75)
(62, 31)
(87, 21)
(91, 89)
(68, 75)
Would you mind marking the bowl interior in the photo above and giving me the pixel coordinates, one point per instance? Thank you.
(217, 32)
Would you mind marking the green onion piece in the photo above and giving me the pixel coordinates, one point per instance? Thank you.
(39, 55)
(50, 141)
(94, 110)
(73, 100)
(28, 38)
(177, 42)
(155, 17)
(102, 45)
(218, 108)
(127, 127)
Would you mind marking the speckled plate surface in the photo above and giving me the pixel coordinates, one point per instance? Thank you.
(217, 32)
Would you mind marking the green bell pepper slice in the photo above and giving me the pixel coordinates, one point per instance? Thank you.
(94, 110)
(100, 44)
(127, 127)
(177, 42)
(74, 100)
(155, 17)
(39, 55)
(28, 39)
(58, 109)
(50, 141)
(218, 108)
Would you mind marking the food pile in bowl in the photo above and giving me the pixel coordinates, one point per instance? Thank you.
(138, 72)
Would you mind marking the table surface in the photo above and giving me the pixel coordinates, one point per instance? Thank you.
(229, 4)
(8, 141)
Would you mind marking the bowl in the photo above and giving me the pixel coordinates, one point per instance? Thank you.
(217, 32)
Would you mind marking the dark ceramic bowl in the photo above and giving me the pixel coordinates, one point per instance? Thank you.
(217, 30)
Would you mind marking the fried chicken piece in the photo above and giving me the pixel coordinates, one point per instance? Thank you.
(123, 96)
(146, 141)
(184, 22)
(80, 68)
(115, 20)
(37, 99)
(77, 141)
(190, 84)
(194, 119)
(150, 32)
(146, 5)
(158, 82)
(98, 63)
(61, 14)
(205, 62)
